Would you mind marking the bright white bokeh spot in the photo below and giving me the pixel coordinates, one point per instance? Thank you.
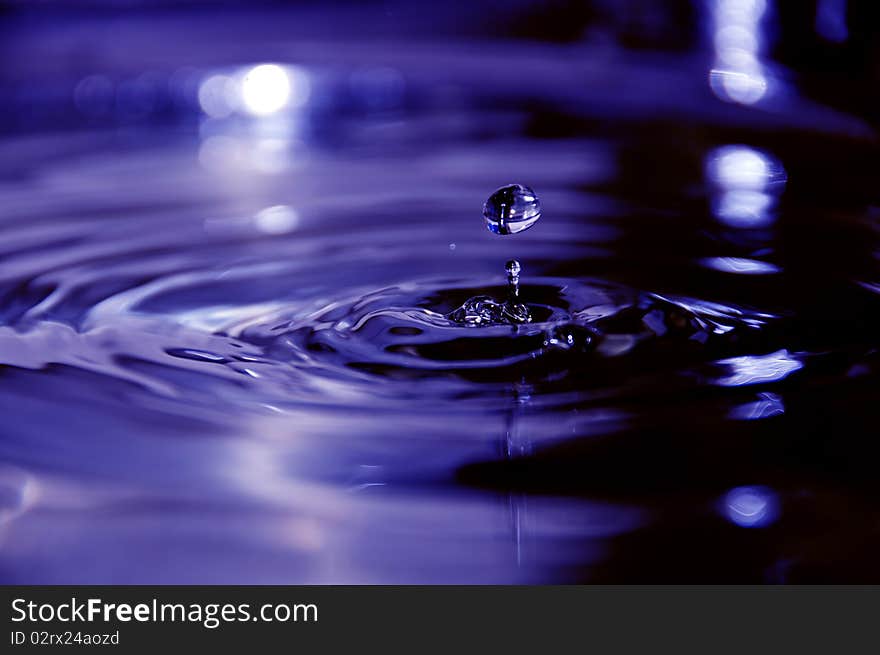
(265, 89)
(269, 88)
(739, 167)
(270, 156)
(740, 10)
(758, 369)
(278, 219)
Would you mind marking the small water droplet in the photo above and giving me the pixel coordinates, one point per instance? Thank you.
(511, 209)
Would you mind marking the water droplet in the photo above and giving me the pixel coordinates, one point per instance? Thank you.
(511, 209)
(485, 310)
(513, 269)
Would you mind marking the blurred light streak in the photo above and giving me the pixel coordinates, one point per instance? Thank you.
(758, 369)
(747, 182)
(94, 96)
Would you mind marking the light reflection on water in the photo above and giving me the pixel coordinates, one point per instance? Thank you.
(226, 349)
(756, 369)
(738, 74)
(740, 265)
(751, 507)
(749, 183)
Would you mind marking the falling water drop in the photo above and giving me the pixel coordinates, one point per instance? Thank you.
(511, 209)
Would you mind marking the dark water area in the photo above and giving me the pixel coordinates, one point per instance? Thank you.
(229, 265)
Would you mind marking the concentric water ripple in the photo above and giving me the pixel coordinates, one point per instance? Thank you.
(228, 344)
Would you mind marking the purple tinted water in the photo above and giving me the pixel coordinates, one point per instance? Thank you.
(226, 352)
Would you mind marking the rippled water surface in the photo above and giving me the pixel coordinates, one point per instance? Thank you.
(227, 352)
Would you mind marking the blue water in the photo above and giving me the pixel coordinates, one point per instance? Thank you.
(227, 350)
